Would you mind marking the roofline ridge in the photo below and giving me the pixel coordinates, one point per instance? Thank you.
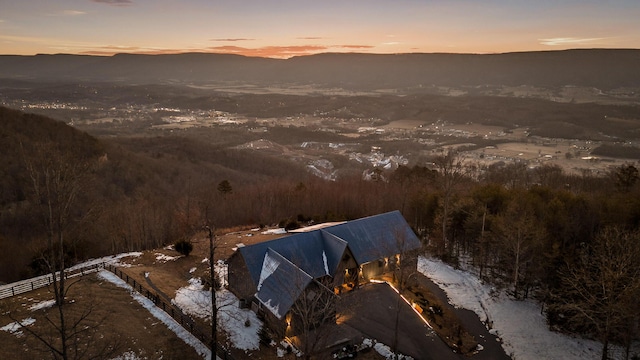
(336, 237)
(290, 262)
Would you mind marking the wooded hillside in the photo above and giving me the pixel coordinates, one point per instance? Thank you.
(536, 232)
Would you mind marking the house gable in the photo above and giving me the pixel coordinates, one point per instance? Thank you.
(280, 284)
(316, 253)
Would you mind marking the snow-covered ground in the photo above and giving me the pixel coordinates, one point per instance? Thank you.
(42, 305)
(14, 327)
(520, 324)
(241, 325)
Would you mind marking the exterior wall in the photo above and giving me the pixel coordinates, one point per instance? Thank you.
(278, 327)
(347, 263)
(240, 283)
(407, 262)
(318, 309)
(371, 270)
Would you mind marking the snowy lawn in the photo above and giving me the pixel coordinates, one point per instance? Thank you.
(520, 324)
(241, 325)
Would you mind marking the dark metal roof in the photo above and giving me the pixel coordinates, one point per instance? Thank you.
(376, 237)
(307, 250)
(281, 283)
(283, 267)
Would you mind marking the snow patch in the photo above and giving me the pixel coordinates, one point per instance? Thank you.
(285, 347)
(129, 355)
(42, 305)
(520, 324)
(233, 320)
(385, 351)
(196, 301)
(164, 258)
(274, 231)
(221, 269)
(274, 309)
(14, 327)
(193, 300)
(269, 266)
(324, 260)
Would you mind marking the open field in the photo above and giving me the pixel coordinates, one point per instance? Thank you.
(124, 327)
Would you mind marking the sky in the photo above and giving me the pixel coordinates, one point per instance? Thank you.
(286, 28)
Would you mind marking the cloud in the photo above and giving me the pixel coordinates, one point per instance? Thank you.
(310, 38)
(231, 39)
(281, 52)
(114, 2)
(27, 39)
(569, 41)
(271, 51)
(73, 12)
(391, 43)
(116, 49)
(68, 13)
(355, 46)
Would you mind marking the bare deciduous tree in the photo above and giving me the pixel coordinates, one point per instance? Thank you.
(603, 287)
(452, 172)
(520, 235)
(57, 180)
(312, 314)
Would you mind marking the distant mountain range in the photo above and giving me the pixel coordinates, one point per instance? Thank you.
(599, 68)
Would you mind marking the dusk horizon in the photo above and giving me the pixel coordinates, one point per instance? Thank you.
(289, 28)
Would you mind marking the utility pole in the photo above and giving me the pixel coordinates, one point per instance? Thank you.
(214, 308)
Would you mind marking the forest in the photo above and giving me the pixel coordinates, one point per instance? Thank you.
(570, 241)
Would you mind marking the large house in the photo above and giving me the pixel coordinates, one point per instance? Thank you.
(291, 281)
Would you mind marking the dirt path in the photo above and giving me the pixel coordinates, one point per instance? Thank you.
(155, 288)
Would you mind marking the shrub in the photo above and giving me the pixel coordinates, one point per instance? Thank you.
(184, 247)
(292, 225)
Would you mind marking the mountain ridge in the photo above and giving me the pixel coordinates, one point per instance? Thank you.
(600, 68)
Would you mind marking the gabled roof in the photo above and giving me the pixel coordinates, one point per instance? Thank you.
(315, 253)
(282, 268)
(281, 283)
(376, 237)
